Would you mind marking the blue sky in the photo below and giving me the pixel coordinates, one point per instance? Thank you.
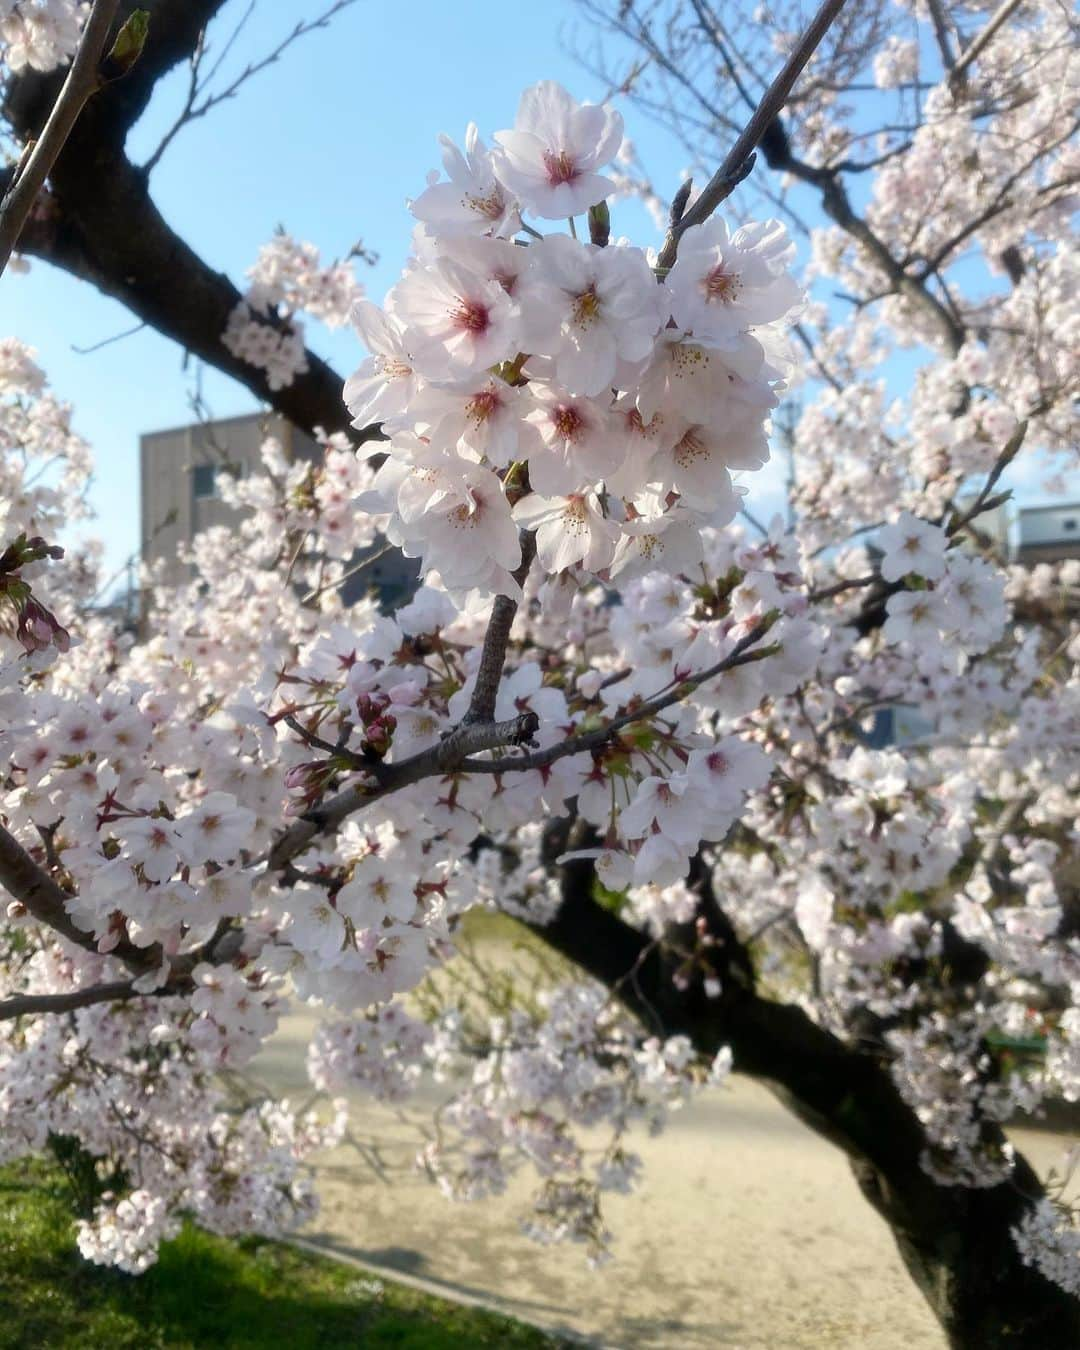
(329, 142)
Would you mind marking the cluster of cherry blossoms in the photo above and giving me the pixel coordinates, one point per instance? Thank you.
(287, 279)
(964, 602)
(559, 386)
(39, 34)
(44, 469)
(273, 797)
(557, 1089)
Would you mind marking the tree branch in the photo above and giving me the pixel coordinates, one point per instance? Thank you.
(493, 652)
(980, 43)
(100, 223)
(452, 755)
(33, 888)
(956, 1241)
(119, 991)
(81, 83)
(193, 110)
(738, 161)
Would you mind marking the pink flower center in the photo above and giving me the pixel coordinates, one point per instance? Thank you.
(567, 421)
(718, 762)
(490, 207)
(560, 168)
(721, 285)
(392, 368)
(471, 317)
(690, 448)
(483, 405)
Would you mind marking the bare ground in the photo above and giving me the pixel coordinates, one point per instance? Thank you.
(748, 1231)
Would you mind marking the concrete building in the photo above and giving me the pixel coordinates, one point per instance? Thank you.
(179, 493)
(1047, 533)
(178, 472)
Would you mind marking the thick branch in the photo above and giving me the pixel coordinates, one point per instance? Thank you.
(33, 888)
(101, 224)
(956, 1241)
(493, 652)
(452, 755)
(39, 894)
(382, 779)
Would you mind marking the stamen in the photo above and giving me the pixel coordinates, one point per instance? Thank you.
(720, 285)
(471, 317)
(560, 168)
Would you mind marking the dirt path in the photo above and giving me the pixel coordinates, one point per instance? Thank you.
(748, 1232)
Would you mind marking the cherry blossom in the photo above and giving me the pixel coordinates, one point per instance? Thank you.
(551, 157)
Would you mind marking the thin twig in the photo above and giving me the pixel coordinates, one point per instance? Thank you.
(313, 595)
(941, 34)
(191, 110)
(107, 342)
(980, 43)
(454, 754)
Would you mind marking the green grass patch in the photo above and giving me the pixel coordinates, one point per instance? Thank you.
(207, 1291)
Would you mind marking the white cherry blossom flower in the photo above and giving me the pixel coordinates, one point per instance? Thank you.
(217, 830)
(385, 384)
(913, 616)
(569, 530)
(152, 843)
(724, 284)
(378, 889)
(473, 201)
(588, 307)
(314, 926)
(578, 442)
(550, 159)
(910, 545)
(458, 321)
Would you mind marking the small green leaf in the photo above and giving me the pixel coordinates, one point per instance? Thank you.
(128, 46)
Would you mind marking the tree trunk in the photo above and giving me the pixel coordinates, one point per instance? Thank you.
(956, 1241)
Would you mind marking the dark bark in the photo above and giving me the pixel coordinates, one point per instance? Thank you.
(99, 222)
(955, 1241)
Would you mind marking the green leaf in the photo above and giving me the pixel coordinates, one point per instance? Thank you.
(128, 46)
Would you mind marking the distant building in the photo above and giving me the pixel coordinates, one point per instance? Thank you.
(1047, 533)
(179, 472)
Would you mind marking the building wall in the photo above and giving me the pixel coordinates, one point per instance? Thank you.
(172, 469)
(1048, 533)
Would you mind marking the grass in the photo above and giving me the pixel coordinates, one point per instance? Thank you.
(207, 1291)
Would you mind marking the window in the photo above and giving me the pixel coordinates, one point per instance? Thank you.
(203, 482)
(1069, 524)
